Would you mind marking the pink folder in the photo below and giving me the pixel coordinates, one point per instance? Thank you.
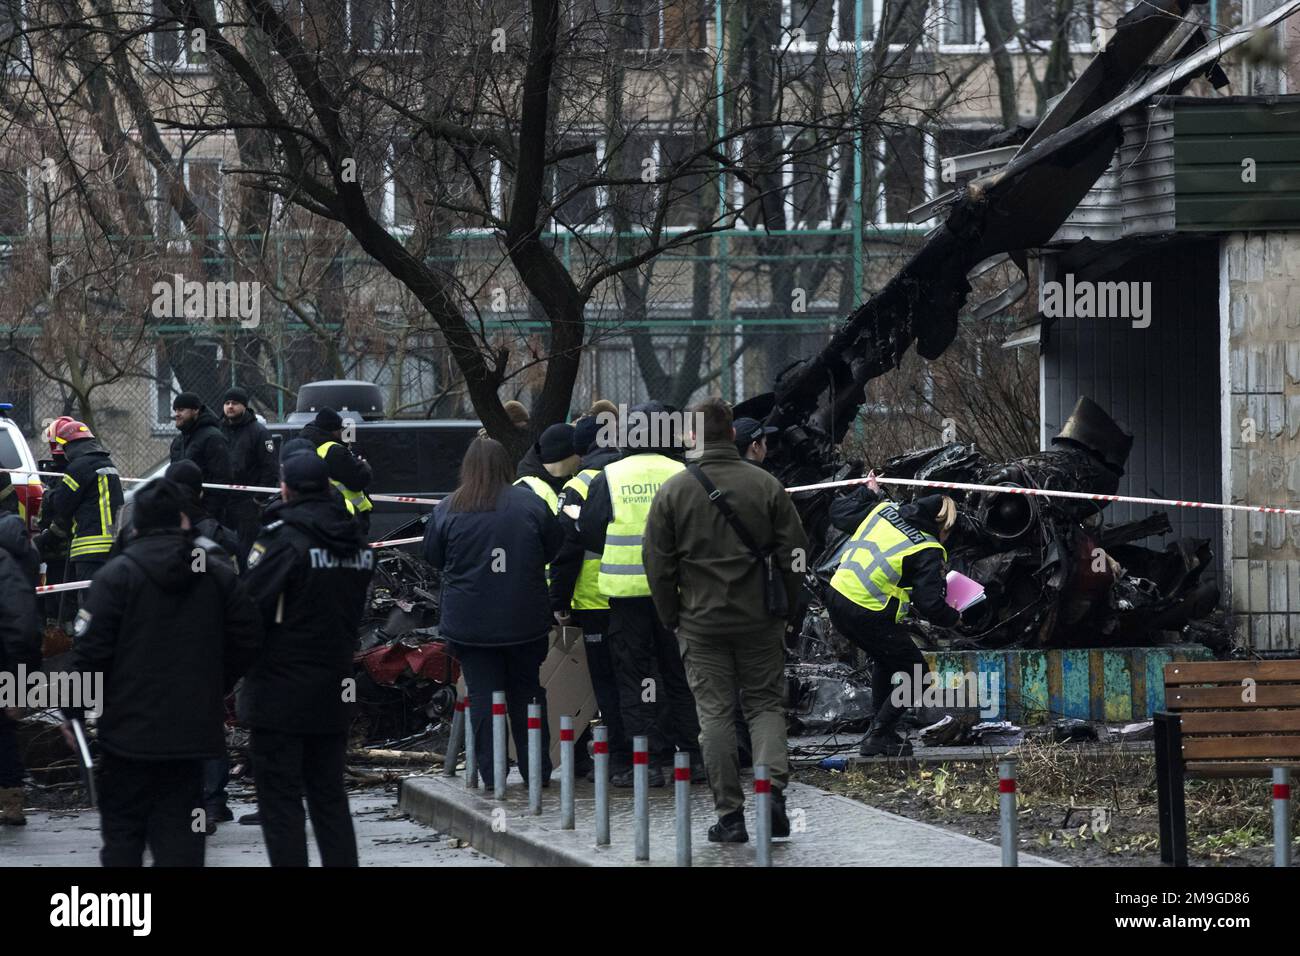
(963, 592)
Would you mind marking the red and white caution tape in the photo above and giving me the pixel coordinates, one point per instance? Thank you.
(78, 585)
(1047, 493)
(255, 489)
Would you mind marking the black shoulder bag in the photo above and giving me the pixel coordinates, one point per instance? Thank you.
(774, 596)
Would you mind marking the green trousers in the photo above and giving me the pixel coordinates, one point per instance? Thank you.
(720, 668)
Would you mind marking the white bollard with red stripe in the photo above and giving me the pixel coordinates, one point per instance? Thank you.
(600, 758)
(762, 816)
(1281, 816)
(471, 755)
(500, 767)
(641, 796)
(454, 740)
(535, 759)
(682, 786)
(1007, 810)
(566, 772)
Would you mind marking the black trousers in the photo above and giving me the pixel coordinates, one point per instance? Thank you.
(216, 775)
(84, 570)
(889, 646)
(289, 768)
(11, 763)
(152, 803)
(653, 694)
(244, 517)
(515, 669)
(604, 682)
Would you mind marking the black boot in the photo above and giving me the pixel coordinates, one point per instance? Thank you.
(881, 739)
(730, 829)
(780, 820)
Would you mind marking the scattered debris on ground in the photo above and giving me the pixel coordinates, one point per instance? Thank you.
(1080, 803)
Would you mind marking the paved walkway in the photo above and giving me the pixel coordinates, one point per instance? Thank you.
(385, 837)
(829, 830)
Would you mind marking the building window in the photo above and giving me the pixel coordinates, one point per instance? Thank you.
(1044, 21)
(14, 204)
(811, 178)
(665, 24)
(572, 176)
(401, 198)
(203, 183)
(383, 26)
(12, 21)
(902, 179)
(812, 23)
(961, 24)
(172, 47)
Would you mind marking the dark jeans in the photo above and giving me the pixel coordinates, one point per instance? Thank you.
(889, 646)
(515, 669)
(293, 766)
(644, 650)
(11, 763)
(604, 682)
(153, 803)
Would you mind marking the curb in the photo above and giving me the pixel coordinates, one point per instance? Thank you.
(468, 817)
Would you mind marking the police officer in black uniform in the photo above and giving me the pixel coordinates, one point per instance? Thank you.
(171, 631)
(308, 571)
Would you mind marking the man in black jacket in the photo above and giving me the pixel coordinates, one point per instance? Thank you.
(202, 442)
(308, 572)
(252, 462)
(20, 645)
(171, 632)
(348, 472)
(894, 560)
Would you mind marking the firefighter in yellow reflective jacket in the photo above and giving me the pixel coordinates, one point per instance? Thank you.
(82, 508)
(894, 560)
(575, 588)
(655, 700)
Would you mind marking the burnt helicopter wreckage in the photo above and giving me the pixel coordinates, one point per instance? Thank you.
(1055, 573)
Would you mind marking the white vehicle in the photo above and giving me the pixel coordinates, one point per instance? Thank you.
(24, 483)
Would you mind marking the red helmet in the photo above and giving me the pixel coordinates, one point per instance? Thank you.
(68, 429)
(48, 434)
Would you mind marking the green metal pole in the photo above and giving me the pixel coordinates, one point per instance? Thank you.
(859, 160)
(859, 168)
(724, 275)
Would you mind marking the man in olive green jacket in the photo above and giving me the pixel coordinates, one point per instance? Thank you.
(707, 585)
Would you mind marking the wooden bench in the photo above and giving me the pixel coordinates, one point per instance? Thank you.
(1221, 719)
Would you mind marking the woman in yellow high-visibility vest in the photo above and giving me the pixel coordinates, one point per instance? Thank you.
(894, 560)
